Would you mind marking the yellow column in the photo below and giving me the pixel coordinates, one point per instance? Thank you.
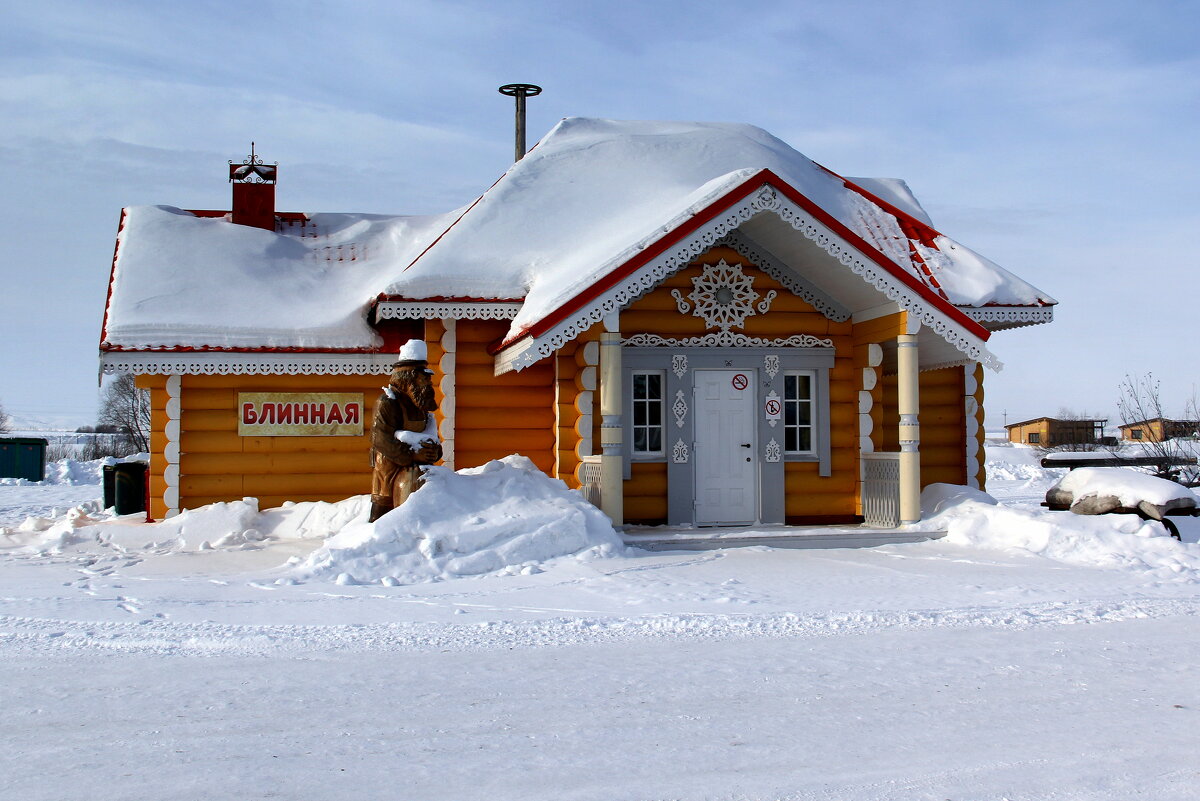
(612, 473)
(908, 401)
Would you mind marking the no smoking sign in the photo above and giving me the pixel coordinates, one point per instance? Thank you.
(773, 407)
(740, 381)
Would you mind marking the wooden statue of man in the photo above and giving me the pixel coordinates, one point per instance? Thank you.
(403, 432)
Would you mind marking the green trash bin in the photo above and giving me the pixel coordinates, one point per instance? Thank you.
(23, 457)
(129, 487)
(108, 477)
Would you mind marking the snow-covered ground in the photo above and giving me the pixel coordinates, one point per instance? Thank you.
(473, 647)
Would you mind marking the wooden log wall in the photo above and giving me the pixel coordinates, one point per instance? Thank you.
(500, 415)
(157, 386)
(943, 427)
(216, 464)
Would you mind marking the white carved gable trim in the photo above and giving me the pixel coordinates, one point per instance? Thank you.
(159, 363)
(998, 318)
(530, 350)
(444, 310)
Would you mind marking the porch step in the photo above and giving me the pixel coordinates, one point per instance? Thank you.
(666, 539)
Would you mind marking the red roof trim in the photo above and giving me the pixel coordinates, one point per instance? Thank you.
(112, 276)
(382, 298)
(714, 209)
(298, 216)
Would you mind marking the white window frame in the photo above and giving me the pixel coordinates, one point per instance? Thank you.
(815, 421)
(661, 453)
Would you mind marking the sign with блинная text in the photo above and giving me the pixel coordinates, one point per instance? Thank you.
(300, 414)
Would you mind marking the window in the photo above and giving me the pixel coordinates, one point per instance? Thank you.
(647, 408)
(798, 412)
(1137, 433)
(1034, 438)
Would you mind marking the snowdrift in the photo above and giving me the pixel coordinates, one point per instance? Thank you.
(505, 515)
(973, 518)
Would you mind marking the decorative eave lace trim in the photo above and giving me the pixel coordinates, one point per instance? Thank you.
(726, 339)
(247, 363)
(531, 350)
(766, 261)
(998, 317)
(438, 310)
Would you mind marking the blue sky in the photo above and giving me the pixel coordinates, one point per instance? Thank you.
(1057, 138)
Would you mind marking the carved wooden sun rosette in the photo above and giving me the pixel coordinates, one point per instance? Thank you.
(723, 296)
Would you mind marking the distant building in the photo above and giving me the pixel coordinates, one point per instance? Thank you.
(1159, 429)
(1050, 432)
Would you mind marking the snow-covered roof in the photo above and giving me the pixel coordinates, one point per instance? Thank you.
(590, 197)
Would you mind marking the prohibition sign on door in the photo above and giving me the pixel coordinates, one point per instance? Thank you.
(740, 381)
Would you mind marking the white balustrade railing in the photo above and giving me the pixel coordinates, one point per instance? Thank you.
(881, 489)
(589, 479)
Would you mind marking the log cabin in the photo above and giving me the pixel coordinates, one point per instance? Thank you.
(692, 323)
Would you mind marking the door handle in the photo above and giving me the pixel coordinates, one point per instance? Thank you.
(746, 445)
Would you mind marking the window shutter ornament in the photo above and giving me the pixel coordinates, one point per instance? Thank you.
(679, 409)
(771, 364)
(679, 364)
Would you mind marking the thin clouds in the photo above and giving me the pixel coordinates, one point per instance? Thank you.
(1045, 135)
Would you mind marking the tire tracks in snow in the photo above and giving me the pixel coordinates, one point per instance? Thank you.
(163, 637)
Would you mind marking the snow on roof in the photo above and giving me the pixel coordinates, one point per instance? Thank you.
(180, 280)
(588, 197)
(594, 192)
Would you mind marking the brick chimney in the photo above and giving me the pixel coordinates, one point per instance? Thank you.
(253, 191)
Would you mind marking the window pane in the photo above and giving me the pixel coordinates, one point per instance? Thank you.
(805, 439)
(790, 439)
(639, 385)
(654, 386)
(639, 440)
(655, 440)
(805, 386)
(655, 414)
(789, 387)
(805, 410)
(639, 413)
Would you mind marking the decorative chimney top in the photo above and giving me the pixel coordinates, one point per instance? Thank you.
(520, 91)
(254, 191)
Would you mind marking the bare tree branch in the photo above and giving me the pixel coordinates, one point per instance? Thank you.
(127, 409)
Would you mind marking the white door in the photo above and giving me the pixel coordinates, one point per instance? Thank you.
(726, 456)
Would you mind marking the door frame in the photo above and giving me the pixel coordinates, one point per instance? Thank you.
(769, 364)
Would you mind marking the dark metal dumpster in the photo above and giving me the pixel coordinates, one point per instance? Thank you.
(129, 487)
(23, 457)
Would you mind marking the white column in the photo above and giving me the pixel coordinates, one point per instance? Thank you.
(612, 501)
(449, 369)
(173, 434)
(908, 401)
